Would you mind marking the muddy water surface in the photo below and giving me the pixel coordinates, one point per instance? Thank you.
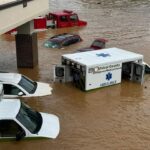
(112, 118)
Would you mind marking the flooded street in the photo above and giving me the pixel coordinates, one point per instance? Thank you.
(111, 118)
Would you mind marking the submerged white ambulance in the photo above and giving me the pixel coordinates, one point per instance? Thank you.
(100, 68)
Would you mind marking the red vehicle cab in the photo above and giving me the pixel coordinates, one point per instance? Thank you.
(96, 45)
(65, 18)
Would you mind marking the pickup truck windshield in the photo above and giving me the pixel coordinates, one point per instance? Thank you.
(31, 119)
(27, 84)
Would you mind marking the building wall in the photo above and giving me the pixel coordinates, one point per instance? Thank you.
(15, 16)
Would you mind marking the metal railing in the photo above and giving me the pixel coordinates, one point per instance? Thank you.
(12, 3)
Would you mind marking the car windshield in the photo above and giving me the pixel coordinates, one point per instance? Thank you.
(98, 44)
(27, 84)
(74, 18)
(52, 44)
(31, 119)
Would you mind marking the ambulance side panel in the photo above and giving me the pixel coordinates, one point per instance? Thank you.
(104, 76)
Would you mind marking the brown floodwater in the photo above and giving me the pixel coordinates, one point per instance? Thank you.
(111, 118)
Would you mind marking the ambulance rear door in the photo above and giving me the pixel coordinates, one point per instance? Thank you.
(137, 72)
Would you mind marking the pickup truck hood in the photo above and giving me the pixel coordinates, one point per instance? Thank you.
(42, 89)
(50, 127)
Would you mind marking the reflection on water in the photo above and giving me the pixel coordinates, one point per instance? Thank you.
(116, 117)
(114, 3)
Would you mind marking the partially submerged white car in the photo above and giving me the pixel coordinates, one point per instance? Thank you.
(18, 120)
(16, 85)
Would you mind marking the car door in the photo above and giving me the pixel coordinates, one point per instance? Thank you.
(67, 42)
(71, 40)
(10, 129)
(75, 39)
(12, 90)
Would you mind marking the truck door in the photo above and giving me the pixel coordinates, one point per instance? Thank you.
(51, 21)
(137, 72)
(63, 21)
(73, 20)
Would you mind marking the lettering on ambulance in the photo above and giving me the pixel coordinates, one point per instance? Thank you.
(108, 83)
(99, 69)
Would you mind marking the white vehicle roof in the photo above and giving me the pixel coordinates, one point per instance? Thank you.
(9, 108)
(10, 77)
(1, 89)
(103, 56)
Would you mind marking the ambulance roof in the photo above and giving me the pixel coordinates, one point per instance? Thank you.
(9, 108)
(103, 56)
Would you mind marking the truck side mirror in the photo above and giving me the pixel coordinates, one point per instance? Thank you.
(20, 93)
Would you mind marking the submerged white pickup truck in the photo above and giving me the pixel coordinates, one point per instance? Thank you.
(18, 120)
(18, 85)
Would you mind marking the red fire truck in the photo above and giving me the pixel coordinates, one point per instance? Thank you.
(65, 18)
(61, 19)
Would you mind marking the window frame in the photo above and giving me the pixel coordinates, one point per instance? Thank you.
(16, 86)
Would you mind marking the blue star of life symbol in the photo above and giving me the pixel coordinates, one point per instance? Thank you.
(108, 76)
(103, 55)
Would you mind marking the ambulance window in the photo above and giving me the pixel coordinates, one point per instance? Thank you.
(63, 18)
(138, 70)
(74, 18)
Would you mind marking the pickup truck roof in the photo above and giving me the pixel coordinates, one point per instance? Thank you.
(10, 77)
(9, 108)
(63, 13)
